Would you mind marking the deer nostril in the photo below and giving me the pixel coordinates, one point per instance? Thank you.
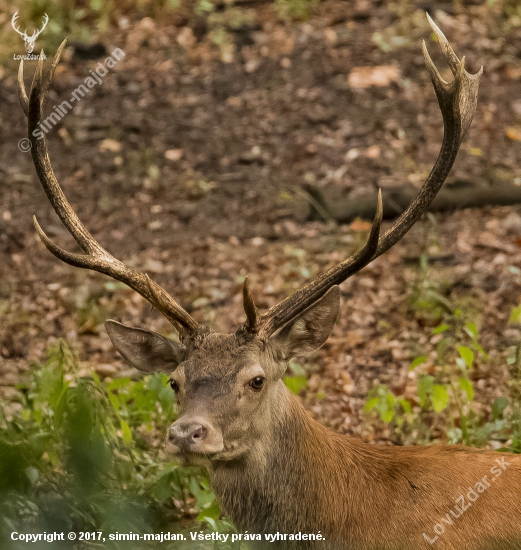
(200, 433)
(186, 434)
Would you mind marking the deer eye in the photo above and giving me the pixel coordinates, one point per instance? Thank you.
(257, 383)
(174, 385)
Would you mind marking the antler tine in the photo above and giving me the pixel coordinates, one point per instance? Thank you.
(290, 307)
(22, 94)
(252, 313)
(457, 101)
(96, 257)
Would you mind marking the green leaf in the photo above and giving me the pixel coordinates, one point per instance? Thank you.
(387, 416)
(442, 348)
(210, 511)
(295, 383)
(371, 404)
(439, 398)
(166, 397)
(59, 408)
(297, 369)
(391, 400)
(113, 398)
(418, 361)
(440, 328)
(471, 330)
(482, 351)
(203, 6)
(467, 355)
(515, 316)
(466, 385)
(127, 434)
(406, 406)
(499, 406)
(454, 435)
(211, 522)
(117, 383)
(156, 383)
(441, 300)
(461, 363)
(425, 384)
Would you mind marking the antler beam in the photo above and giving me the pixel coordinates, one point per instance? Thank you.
(457, 101)
(96, 257)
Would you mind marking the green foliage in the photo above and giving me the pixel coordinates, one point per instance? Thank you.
(445, 396)
(80, 454)
(296, 9)
(427, 298)
(385, 402)
(297, 381)
(444, 406)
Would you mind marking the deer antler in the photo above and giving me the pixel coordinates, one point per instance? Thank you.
(457, 101)
(96, 257)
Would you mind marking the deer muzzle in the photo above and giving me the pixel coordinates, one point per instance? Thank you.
(194, 435)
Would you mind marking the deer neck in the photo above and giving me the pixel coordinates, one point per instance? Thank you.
(277, 486)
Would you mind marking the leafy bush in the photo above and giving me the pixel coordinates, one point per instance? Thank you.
(445, 396)
(78, 454)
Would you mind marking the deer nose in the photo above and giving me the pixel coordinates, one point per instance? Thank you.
(186, 434)
(196, 435)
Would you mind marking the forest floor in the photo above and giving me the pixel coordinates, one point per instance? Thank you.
(188, 163)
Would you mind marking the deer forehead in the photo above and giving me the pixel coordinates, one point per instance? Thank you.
(225, 357)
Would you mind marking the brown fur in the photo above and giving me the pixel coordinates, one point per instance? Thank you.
(362, 496)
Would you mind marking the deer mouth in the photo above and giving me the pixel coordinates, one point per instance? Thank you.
(201, 454)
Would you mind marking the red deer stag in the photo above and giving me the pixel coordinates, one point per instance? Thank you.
(276, 471)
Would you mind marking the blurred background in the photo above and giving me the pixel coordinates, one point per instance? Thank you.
(241, 138)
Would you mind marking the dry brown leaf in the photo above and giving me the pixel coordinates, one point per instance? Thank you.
(373, 152)
(514, 73)
(513, 133)
(364, 77)
(174, 154)
(110, 145)
(186, 38)
(360, 225)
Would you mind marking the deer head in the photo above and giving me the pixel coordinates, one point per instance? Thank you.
(29, 40)
(229, 386)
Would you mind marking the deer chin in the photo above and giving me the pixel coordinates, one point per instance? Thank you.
(207, 449)
(200, 454)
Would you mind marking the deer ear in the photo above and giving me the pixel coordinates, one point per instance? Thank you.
(308, 332)
(145, 350)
